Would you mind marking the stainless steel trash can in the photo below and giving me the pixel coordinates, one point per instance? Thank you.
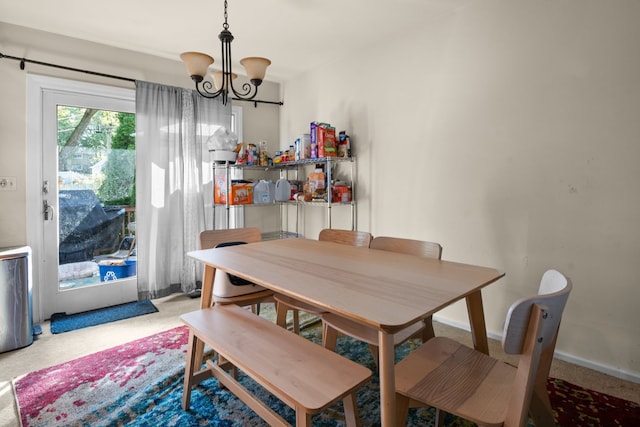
(16, 315)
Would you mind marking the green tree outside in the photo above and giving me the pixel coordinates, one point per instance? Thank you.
(87, 137)
(119, 185)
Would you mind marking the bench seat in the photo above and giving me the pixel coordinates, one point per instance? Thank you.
(304, 375)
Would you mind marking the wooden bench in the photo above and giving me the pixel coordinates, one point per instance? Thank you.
(304, 375)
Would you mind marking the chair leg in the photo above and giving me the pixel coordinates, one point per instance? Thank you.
(428, 332)
(296, 321)
(540, 408)
(329, 337)
(375, 353)
(281, 314)
(402, 409)
(439, 422)
(351, 410)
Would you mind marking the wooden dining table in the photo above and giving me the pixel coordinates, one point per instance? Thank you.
(383, 289)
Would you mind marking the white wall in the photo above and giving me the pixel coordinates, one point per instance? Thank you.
(509, 133)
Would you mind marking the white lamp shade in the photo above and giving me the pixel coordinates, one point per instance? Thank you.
(217, 79)
(197, 63)
(256, 67)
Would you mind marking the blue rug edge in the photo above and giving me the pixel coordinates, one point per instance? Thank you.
(62, 322)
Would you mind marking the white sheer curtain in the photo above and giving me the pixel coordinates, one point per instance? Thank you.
(173, 184)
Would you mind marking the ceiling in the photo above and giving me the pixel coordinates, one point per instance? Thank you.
(296, 35)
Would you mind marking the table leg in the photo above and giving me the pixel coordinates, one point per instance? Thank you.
(206, 294)
(206, 301)
(476, 321)
(386, 368)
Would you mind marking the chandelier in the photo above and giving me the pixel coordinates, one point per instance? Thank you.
(198, 64)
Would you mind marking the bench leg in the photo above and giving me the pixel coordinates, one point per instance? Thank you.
(193, 375)
(192, 356)
(260, 408)
(198, 352)
(351, 410)
(227, 366)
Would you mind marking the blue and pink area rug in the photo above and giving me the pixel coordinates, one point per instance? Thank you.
(140, 384)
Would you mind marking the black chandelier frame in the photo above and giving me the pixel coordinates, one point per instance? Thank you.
(207, 89)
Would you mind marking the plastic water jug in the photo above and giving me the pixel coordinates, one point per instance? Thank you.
(261, 193)
(283, 190)
(272, 190)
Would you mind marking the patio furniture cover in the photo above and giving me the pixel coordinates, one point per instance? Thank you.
(86, 226)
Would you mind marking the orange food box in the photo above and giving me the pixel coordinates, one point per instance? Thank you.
(341, 194)
(326, 141)
(241, 191)
(241, 194)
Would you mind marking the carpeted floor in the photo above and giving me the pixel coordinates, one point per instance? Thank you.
(140, 383)
(49, 350)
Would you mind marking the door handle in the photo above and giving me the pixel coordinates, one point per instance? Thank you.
(47, 211)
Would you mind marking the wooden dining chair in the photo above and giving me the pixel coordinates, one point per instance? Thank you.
(224, 292)
(285, 303)
(462, 381)
(333, 324)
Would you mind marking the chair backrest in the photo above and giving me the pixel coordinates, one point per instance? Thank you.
(212, 238)
(407, 246)
(531, 330)
(225, 286)
(346, 237)
(552, 296)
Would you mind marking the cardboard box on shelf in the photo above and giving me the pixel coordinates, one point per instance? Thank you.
(341, 193)
(241, 191)
(326, 141)
(323, 140)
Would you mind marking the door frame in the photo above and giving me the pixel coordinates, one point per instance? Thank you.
(37, 88)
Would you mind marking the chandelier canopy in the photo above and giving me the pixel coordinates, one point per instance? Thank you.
(198, 65)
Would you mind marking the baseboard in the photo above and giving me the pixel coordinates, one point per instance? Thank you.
(566, 357)
(633, 377)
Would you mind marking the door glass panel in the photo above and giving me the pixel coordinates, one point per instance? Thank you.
(96, 196)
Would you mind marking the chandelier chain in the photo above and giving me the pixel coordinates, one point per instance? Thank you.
(198, 63)
(225, 25)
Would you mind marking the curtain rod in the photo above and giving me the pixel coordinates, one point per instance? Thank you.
(111, 76)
